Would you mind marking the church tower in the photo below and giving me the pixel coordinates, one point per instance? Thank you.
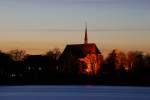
(86, 57)
(86, 37)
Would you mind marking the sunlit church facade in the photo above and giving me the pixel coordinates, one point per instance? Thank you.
(81, 58)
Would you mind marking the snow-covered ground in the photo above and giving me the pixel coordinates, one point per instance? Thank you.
(74, 93)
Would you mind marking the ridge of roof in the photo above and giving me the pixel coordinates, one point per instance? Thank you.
(80, 44)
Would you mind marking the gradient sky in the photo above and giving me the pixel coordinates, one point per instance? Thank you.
(39, 25)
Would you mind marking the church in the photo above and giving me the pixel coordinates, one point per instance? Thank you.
(81, 58)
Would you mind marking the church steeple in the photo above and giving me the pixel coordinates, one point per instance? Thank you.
(86, 36)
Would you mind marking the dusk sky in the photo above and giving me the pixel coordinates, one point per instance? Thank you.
(39, 25)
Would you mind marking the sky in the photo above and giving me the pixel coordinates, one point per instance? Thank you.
(39, 25)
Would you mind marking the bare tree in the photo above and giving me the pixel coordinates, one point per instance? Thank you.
(117, 59)
(17, 55)
(147, 61)
(135, 59)
(55, 53)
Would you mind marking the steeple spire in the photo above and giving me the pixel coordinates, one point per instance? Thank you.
(86, 37)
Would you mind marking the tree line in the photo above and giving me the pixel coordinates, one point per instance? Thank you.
(118, 67)
(131, 67)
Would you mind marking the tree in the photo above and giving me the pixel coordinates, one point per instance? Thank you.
(147, 61)
(17, 55)
(147, 67)
(115, 63)
(55, 53)
(117, 58)
(136, 64)
(135, 59)
(5, 63)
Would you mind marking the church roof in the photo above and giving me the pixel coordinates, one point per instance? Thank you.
(81, 50)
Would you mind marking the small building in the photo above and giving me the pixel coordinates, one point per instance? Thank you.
(81, 58)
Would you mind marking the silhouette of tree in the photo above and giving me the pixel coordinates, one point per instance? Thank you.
(5, 63)
(115, 62)
(17, 55)
(147, 68)
(53, 56)
(147, 61)
(55, 53)
(110, 66)
(136, 64)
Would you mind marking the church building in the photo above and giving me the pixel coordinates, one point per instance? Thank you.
(81, 58)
